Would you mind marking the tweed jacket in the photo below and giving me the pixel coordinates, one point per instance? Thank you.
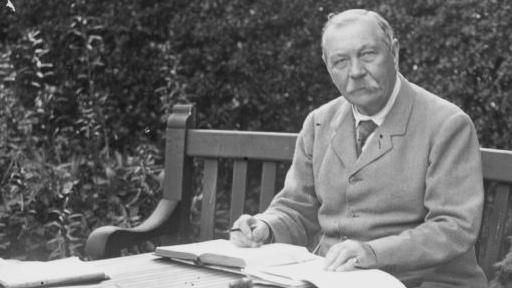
(415, 194)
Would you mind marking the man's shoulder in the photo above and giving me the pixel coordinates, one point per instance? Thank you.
(329, 110)
(434, 104)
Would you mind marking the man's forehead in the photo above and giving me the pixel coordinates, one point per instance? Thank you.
(354, 29)
(365, 21)
(351, 14)
(358, 30)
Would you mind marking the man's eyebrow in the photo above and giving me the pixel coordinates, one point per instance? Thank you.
(340, 54)
(368, 46)
(337, 55)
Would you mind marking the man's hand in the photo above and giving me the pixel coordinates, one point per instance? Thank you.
(252, 232)
(348, 255)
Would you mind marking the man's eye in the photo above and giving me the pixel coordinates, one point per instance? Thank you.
(339, 63)
(368, 55)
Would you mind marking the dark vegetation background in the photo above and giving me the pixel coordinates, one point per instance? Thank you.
(86, 86)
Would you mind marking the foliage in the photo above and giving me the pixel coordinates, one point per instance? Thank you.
(69, 158)
(87, 85)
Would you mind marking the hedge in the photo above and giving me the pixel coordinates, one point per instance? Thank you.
(87, 85)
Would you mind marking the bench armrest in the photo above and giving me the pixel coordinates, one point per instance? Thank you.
(107, 241)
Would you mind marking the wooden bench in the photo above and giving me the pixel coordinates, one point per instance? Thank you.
(192, 154)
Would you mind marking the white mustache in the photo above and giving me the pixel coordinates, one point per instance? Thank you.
(354, 87)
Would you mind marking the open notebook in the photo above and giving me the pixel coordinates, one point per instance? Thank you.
(25, 274)
(277, 264)
(224, 253)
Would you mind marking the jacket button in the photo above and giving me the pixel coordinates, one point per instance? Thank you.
(354, 214)
(353, 179)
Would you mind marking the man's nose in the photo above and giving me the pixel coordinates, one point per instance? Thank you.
(357, 69)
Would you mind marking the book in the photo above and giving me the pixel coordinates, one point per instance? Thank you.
(277, 264)
(224, 253)
(26, 274)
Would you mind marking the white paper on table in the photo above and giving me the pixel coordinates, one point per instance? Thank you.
(18, 274)
(313, 272)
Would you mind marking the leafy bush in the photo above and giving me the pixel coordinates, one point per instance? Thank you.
(73, 156)
(87, 85)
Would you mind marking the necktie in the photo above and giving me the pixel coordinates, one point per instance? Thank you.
(364, 129)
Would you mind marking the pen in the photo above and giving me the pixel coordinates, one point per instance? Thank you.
(235, 229)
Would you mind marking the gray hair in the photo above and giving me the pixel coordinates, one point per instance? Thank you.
(338, 19)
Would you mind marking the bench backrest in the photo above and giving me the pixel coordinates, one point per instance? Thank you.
(185, 145)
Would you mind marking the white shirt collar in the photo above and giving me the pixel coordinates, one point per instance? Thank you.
(379, 117)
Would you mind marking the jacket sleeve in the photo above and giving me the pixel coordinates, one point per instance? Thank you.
(292, 215)
(453, 200)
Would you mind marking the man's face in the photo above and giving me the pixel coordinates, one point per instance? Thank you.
(361, 64)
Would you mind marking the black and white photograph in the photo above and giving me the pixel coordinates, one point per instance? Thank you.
(252, 144)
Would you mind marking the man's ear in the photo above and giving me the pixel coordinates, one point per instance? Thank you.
(395, 51)
(325, 63)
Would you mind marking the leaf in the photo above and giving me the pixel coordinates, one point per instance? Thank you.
(10, 6)
(44, 65)
(41, 52)
(68, 187)
(94, 38)
(97, 63)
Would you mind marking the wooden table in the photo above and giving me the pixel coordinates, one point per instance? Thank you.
(149, 271)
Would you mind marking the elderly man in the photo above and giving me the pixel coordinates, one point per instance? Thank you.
(385, 176)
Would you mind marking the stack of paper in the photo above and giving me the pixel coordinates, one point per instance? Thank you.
(25, 274)
(313, 272)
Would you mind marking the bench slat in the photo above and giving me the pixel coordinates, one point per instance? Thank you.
(238, 189)
(497, 164)
(496, 231)
(211, 167)
(268, 184)
(241, 144)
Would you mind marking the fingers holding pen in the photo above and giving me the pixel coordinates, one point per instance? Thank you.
(260, 231)
(246, 224)
(249, 231)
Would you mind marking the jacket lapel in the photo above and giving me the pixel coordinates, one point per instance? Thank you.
(395, 124)
(343, 140)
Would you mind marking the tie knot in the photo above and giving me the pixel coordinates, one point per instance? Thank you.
(364, 129)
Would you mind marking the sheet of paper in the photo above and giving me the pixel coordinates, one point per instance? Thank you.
(276, 280)
(16, 273)
(312, 271)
